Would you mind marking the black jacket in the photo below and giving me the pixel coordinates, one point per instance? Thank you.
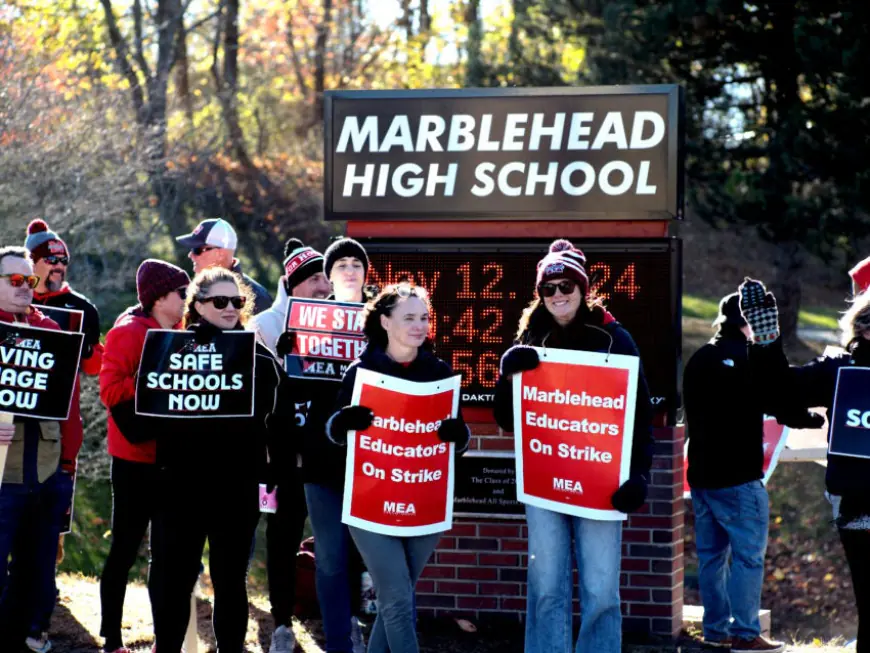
(814, 385)
(725, 406)
(262, 298)
(426, 367)
(581, 336)
(69, 299)
(231, 449)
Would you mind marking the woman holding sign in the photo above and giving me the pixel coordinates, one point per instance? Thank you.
(211, 467)
(397, 328)
(839, 383)
(566, 315)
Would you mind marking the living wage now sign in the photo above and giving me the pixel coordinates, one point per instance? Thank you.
(573, 428)
(608, 152)
(399, 474)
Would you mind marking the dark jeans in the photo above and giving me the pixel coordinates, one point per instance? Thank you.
(284, 531)
(134, 501)
(30, 520)
(856, 544)
(190, 511)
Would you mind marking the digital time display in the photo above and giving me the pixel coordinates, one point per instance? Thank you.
(479, 290)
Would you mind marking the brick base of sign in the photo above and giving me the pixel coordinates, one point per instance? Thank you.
(479, 568)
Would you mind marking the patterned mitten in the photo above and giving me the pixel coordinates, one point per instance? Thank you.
(758, 308)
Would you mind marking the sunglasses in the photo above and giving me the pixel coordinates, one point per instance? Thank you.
(221, 301)
(54, 260)
(199, 251)
(182, 292)
(566, 287)
(18, 280)
(405, 290)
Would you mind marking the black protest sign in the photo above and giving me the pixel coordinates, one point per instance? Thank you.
(328, 338)
(179, 377)
(592, 153)
(38, 370)
(67, 319)
(850, 420)
(485, 485)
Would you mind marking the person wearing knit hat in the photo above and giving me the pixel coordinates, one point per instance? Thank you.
(346, 265)
(566, 315)
(161, 289)
(51, 259)
(860, 276)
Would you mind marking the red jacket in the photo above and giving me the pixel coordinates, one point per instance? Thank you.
(71, 431)
(121, 356)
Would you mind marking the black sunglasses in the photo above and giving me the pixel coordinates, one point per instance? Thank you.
(566, 287)
(54, 260)
(220, 301)
(199, 251)
(182, 292)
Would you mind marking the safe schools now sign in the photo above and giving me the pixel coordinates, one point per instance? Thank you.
(606, 152)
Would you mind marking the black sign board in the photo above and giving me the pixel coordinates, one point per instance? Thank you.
(480, 288)
(525, 153)
(850, 422)
(329, 337)
(485, 485)
(180, 378)
(38, 370)
(67, 319)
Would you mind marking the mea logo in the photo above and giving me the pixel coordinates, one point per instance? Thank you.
(855, 418)
(395, 508)
(192, 346)
(15, 340)
(567, 485)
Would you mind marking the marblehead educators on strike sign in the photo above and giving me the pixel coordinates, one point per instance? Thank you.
(399, 475)
(573, 426)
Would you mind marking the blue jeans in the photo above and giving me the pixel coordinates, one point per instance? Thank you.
(731, 522)
(335, 554)
(395, 564)
(597, 547)
(31, 515)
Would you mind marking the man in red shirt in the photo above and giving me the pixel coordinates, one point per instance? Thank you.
(161, 288)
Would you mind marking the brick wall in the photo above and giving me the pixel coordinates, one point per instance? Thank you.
(479, 568)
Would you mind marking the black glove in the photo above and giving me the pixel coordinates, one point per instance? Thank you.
(349, 418)
(135, 428)
(758, 308)
(285, 344)
(87, 351)
(631, 495)
(801, 419)
(454, 430)
(204, 332)
(519, 358)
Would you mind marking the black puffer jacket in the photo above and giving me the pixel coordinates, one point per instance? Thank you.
(581, 336)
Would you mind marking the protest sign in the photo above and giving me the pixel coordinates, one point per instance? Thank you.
(328, 338)
(67, 319)
(850, 421)
(38, 370)
(180, 378)
(573, 427)
(399, 474)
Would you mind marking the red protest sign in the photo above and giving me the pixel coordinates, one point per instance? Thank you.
(399, 474)
(328, 337)
(573, 426)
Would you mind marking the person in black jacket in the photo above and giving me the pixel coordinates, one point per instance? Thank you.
(815, 385)
(397, 328)
(210, 470)
(566, 315)
(725, 406)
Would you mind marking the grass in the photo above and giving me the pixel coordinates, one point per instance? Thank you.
(811, 318)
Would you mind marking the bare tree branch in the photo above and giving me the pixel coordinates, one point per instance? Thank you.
(137, 32)
(119, 44)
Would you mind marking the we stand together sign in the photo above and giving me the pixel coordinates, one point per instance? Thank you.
(329, 337)
(573, 427)
(399, 474)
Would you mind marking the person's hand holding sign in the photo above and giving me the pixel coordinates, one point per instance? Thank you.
(519, 358)
(453, 430)
(349, 418)
(285, 344)
(631, 495)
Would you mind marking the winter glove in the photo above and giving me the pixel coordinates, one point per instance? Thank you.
(519, 358)
(349, 418)
(455, 431)
(801, 419)
(135, 428)
(285, 344)
(758, 308)
(631, 495)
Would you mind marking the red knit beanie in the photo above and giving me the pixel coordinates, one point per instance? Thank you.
(42, 241)
(156, 279)
(564, 261)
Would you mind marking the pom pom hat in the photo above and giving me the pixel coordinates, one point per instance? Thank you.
(861, 275)
(300, 262)
(564, 261)
(42, 241)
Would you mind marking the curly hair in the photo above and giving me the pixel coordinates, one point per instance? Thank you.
(202, 282)
(384, 304)
(856, 321)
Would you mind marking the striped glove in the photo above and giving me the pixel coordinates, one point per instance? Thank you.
(758, 308)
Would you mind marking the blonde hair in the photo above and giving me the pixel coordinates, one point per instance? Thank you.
(856, 321)
(203, 282)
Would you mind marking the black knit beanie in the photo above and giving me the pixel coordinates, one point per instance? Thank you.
(341, 248)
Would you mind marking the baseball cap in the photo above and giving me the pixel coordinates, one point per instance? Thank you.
(214, 232)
